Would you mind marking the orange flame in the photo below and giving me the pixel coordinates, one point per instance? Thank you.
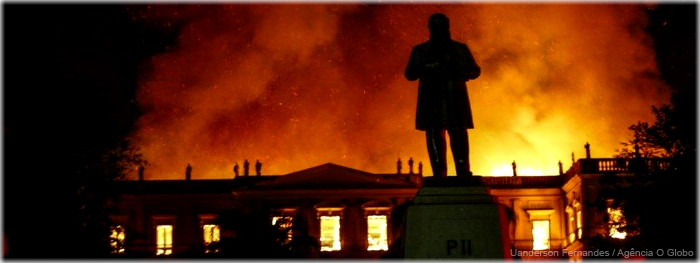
(300, 85)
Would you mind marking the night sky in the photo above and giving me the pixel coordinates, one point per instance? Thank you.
(71, 75)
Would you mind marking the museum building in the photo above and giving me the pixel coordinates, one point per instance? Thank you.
(353, 213)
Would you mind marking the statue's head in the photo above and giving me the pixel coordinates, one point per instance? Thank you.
(439, 26)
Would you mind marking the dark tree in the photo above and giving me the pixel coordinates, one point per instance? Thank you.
(250, 234)
(667, 137)
(71, 73)
(659, 206)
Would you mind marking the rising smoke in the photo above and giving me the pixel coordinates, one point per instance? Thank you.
(296, 86)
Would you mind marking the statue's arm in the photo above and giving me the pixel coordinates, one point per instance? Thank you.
(413, 70)
(470, 69)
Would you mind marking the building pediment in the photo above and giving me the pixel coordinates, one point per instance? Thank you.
(333, 176)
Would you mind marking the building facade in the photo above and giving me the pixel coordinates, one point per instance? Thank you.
(348, 213)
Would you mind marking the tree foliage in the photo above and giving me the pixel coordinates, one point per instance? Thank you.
(70, 103)
(662, 139)
(250, 234)
(95, 194)
(659, 206)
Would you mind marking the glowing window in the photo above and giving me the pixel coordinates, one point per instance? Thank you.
(540, 234)
(578, 224)
(164, 238)
(117, 240)
(571, 224)
(330, 233)
(285, 224)
(616, 221)
(376, 233)
(212, 235)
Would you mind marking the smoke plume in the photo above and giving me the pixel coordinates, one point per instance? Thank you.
(296, 86)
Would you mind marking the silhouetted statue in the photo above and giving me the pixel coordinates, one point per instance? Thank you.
(515, 167)
(235, 169)
(443, 66)
(420, 168)
(561, 168)
(246, 167)
(398, 166)
(141, 171)
(258, 167)
(410, 165)
(188, 172)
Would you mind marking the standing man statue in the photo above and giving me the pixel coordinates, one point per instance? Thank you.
(443, 66)
(188, 172)
(398, 166)
(141, 171)
(258, 167)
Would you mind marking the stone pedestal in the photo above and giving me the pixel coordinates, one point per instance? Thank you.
(452, 218)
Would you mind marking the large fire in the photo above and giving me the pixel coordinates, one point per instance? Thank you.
(296, 86)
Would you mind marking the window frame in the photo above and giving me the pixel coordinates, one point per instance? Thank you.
(378, 211)
(206, 220)
(117, 244)
(164, 220)
(118, 221)
(288, 215)
(541, 215)
(330, 212)
(616, 219)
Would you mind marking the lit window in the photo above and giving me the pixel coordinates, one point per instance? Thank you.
(579, 224)
(376, 233)
(211, 232)
(616, 221)
(164, 239)
(540, 234)
(571, 224)
(285, 224)
(330, 233)
(117, 240)
(211, 237)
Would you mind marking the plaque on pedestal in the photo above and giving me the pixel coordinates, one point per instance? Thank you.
(452, 218)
